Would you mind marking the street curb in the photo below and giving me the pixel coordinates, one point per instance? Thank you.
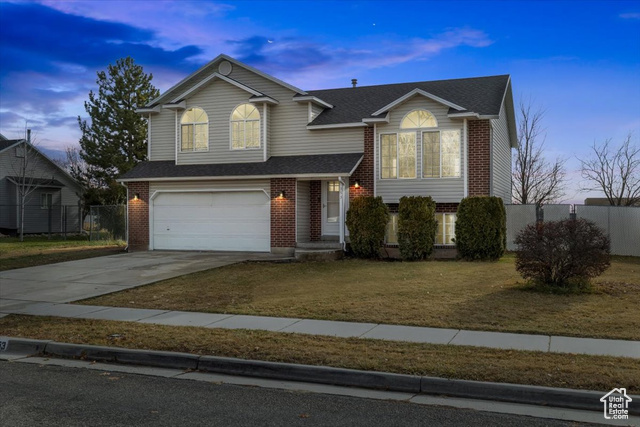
(504, 392)
(310, 373)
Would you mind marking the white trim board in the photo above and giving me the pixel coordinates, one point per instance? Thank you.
(417, 92)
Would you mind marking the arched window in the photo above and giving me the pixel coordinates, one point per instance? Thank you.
(245, 127)
(195, 130)
(419, 119)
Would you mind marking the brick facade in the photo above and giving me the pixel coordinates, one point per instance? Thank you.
(479, 157)
(283, 213)
(315, 210)
(364, 174)
(138, 213)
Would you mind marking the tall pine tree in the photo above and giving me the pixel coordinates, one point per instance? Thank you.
(114, 140)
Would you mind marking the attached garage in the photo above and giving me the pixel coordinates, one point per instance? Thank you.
(211, 220)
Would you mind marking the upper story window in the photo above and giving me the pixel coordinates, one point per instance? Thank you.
(441, 154)
(418, 119)
(195, 130)
(245, 127)
(398, 155)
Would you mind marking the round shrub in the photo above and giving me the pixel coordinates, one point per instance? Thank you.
(481, 228)
(562, 254)
(367, 220)
(416, 227)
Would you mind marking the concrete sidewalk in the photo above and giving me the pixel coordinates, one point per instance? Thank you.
(499, 340)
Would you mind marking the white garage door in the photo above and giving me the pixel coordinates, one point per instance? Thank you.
(224, 221)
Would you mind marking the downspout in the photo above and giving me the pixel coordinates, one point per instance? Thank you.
(126, 215)
(342, 185)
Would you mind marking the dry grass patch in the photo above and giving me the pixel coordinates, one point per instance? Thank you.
(469, 295)
(470, 363)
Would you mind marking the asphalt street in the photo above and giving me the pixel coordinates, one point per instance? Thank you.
(32, 394)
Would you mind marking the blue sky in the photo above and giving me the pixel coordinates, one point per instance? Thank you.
(579, 60)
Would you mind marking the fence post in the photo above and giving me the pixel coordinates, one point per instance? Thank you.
(90, 223)
(50, 214)
(539, 214)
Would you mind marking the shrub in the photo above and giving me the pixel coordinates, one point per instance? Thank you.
(367, 220)
(562, 254)
(481, 228)
(416, 227)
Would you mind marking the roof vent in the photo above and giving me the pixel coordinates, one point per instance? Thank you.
(225, 68)
(354, 82)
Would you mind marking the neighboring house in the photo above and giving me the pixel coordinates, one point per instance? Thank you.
(52, 206)
(239, 160)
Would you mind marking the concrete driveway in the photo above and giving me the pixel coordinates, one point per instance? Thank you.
(75, 280)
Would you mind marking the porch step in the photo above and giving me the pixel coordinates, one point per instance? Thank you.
(318, 254)
(319, 245)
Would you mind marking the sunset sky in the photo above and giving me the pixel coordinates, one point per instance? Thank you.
(580, 60)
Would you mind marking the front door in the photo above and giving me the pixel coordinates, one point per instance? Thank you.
(330, 208)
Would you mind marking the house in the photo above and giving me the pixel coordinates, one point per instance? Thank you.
(52, 204)
(240, 160)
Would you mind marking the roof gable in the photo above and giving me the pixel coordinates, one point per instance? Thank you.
(205, 72)
(410, 95)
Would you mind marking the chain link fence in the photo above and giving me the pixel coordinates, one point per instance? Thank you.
(37, 219)
(107, 222)
(621, 223)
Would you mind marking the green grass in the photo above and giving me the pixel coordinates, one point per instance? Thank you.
(446, 294)
(40, 250)
(470, 363)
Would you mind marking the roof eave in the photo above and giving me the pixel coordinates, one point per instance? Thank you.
(337, 126)
(312, 99)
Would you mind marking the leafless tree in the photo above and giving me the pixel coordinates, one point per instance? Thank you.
(27, 175)
(535, 179)
(614, 171)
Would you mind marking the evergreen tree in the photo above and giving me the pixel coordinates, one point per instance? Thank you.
(114, 139)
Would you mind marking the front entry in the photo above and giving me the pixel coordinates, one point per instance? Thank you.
(330, 208)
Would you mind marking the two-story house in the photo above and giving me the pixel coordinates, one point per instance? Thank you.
(242, 161)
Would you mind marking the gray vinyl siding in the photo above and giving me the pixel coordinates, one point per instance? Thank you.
(442, 190)
(303, 212)
(501, 158)
(288, 134)
(163, 136)
(218, 99)
(315, 110)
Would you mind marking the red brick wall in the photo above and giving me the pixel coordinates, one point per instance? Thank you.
(283, 213)
(447, 207)
(315, 208)
(138, 211)
(479, 157)
(364, 173)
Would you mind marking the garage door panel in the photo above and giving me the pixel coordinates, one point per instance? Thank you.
(230, 221)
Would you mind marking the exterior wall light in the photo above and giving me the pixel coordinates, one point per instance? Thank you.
(281, 194)
(136, 196)
(357, 184)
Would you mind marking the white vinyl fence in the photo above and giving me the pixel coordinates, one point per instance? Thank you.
(621, 223)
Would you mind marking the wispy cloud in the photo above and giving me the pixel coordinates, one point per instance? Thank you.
(630, 15)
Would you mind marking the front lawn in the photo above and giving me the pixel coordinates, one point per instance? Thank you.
(445, 294)
(40, 250)
(449, 361)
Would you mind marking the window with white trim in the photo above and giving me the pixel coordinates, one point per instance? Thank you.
(46, 200)
(245, 127)
(398, 155)
(446, 228)
(194, 134)
(391, 236)
(441, 154)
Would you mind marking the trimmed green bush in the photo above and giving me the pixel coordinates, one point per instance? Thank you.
(416, 227)
(481, 228)
(367, 220)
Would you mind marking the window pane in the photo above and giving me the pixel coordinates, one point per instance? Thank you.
(187, 138)
(388, 153)
(431, 154)
(252, 113)
(419, 119)
(333, 201)
(407, 155)
(450, 153)
(236, 137)
(392, 229)
(440, 232)
(187, 117)
(253, 134)
(201, 137)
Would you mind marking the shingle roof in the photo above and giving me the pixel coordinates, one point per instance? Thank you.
(481, 95)
(335, 164)
(6, 143)
(37, 182)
